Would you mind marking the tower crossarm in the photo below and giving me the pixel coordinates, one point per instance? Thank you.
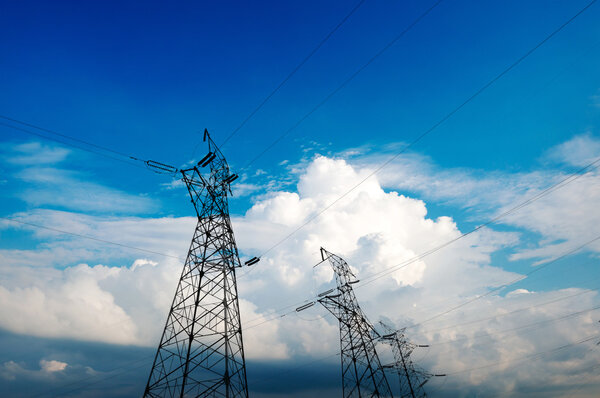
(362, 374)
(412, 378)
(201, 351)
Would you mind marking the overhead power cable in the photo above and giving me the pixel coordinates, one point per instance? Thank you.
(426, 132)
(62, 231)
(333, 203)
(526, 358)
(378, 275)
(343, 84)
(511, 330)
(115, 152)
(512, 312)
(125, 368)
(113, 374)
(278, 313)
(567, 180)
(56, 133)
(293, 72)
(109, 155)
(533, 326)
(558, 185)
(497, 289)
(370, 279)
(444, 302)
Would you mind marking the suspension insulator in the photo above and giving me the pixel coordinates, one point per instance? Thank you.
(252, 261)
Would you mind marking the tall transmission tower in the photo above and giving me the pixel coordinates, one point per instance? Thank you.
(201, 353)
(412, 379)
(362, 374)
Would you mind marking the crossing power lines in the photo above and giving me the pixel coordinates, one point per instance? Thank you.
(379, 168)
(380, 275)
(292, 73)
(441, 121)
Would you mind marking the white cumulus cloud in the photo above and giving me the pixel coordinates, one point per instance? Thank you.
(374, 229)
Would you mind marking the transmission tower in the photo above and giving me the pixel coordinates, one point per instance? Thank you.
(412, 379)
(201, 353)
(362, 374)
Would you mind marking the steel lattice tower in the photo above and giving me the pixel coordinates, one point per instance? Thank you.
(412, 379)
(362, 374)
(201, 353)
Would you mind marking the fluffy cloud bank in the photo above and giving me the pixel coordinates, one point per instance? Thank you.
(372, 228)
(563, 219)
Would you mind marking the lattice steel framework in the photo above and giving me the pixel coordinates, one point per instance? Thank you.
(201, 353)
(362, 374)
(412, 378)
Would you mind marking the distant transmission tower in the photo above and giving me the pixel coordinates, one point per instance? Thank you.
(201, 353)
(362, 374)
(412, 379)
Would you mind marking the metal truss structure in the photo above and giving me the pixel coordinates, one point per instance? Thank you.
(201, 353)
(362, 374)
(411, 378)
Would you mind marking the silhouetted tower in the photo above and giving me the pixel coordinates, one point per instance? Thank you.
(412, 379)
(362, 374)
(201, 353)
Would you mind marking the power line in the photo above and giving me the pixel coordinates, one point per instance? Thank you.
(590, 261)
(511, 312)
(539, 303)
(333, 203)
(558, 185)
(500, 332)
(533, 325)
(378, 275)
(125, 245)
(293, 72)
(337, 353)
(372, 59)
(125, 369)
(344, 84)
(112, 373)
(567, 180)
(151, 165)
(548, 190)
(60, 141)
(429, 130)
(277, 314)
(507, 284)
(62, 231)
(53, 132)
(526, 357)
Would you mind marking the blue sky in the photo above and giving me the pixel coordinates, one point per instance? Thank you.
(145, 79)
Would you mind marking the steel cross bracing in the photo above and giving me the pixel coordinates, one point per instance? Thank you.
(201, 353)
(411, 378)
(362, 374)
